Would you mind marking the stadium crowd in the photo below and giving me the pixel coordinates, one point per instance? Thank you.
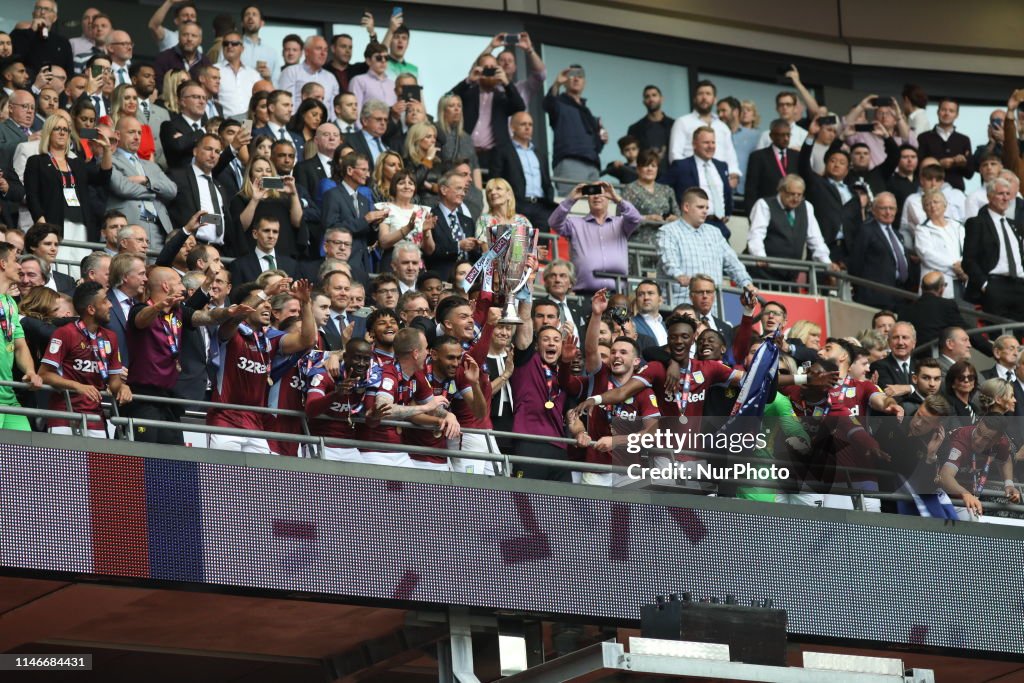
(357, 222)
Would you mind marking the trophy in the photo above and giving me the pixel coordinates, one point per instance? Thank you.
(513, 268)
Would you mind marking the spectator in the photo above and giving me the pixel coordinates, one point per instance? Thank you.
(127, 285)
(257, 56)
(238, 79)
(387, 167)
(1006, 350)
(559, 277)
(397, 41)
(6, 48)
(501, 212)
(184, 12)
(254, 203)
(913, 101)
(199, 192)
(952, 149)
(989, 167)
(181, 133)
(960, 389)
(338, 245)
(703, 170)
(903, 182)
(925, 380)
(121, 49)
(599, 242)
(702, 294)
(453, 234)
(648, 318)
(525, 167)
(110, 225)
(932, 178)
(787, 107)
(894, 370)
(169, 97)
(862, 176)
(304, 124)
(139, 189)
(132, 239)
(345, 206)
(533, 85)
(41, 43)
(939, 243)
(341, 63)
(688, 246)
(258, 111)
(421, 160)
(83, 46)
(294, 77)
(17, 128)
(654, 130)
(878, 255)
(624, 171)
(487, 89)
(579, 136)
(994, 145)
(992, 256)
(368, 142)
(404, 219)
(57, 186)
(954, 347)
(744, 139)
(14, 74)
(375, 83)
(783, 226)
(932, 313)
(291, 51)
(681, 142)
(769, 164)
(185, 55)
(889, 126)
(310, 172)
(336, 285)
(125, 102)
(655, 201)
(279, 109)
(836, 206)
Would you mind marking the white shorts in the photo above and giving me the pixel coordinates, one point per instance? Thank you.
(342, 454)
(471, 442)
(436, 466)
(391, 458)
(92, 433)
(243, 444)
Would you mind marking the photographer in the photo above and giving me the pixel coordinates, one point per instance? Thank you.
(487, 83)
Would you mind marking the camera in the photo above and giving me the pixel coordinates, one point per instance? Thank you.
(490, 71)
(619, 315)
(591, 190)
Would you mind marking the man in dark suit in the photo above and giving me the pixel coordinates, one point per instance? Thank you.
(703, 291)
(766, 167)
(535, 196)
(336, 286)
(836, 206)
(41, 43)
(345, 207)
(931, 314)
(279, 106)
(310, 172)
(127, 282)
(559, 278)
(12, 191)
(992, 256)
(878, 254)
(952, 149)
(1006, 350)
(208, 76)
(704, 171)
(453, 232)
(895, 370)
(504, 97)
(212, 200)
(179, 135)
(369, 141)
(247, 268)
(16, 129)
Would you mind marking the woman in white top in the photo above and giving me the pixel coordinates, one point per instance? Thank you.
(939, 241)
(405, 219)
(501, 210)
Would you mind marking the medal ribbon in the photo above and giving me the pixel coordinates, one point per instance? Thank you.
(99, 351)
(980, 480)
(172, 330)
(682, 398)
(552, 386)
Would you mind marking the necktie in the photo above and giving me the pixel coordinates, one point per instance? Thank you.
(1010, 261)
(350, 128)
(905, 367)
(791, 217)
(147, 205)
(897, 248)
(282, 134)
(195, 127)
(122, 76)
(145, 109)
(783, 161)
(380, 146)
(99, 105)
(704, 319)
(271, 262)
(215, 198)
(715, 208)
(26, 130)
(340, 321)
(457, 234)
(563, 312)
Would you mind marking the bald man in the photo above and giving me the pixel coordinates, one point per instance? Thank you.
(311, 70)
(139, 188)
(932, 313)
(526, 169)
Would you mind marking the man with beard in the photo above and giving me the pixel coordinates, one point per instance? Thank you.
(456, 377)
(383, 325)
(609, 426)
(967, 457)
(340, 401)
(248, 347)
(681, 141)
(655, 128)
(83, 358)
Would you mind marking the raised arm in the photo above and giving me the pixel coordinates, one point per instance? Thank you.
(304, 337)
(592, 353)
(156, 22)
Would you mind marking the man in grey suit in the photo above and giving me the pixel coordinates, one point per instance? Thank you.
(954, 345)
(17, 127)
(138, 188)
(150, 113)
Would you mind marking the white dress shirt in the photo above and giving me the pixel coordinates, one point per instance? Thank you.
(325, 162)
(236, 88)
(939, 248)
(261, 256)
(681, 140)
(657, 325)
(711, 183)
(1002, 266)
(797, 136)
(208, 231)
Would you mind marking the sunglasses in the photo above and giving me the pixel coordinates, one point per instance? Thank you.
(231, 43)
(380, 58)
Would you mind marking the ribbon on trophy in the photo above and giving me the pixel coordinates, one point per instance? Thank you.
(485, 264)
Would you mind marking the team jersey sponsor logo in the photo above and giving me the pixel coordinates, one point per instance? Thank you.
(252, 366)
(55, 345)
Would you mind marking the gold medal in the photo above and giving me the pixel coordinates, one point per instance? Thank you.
(10, 347)
(549, 405)
(177, 365)
(682, 419)
(398, 430)
(270, 381)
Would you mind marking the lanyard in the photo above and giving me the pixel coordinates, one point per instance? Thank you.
(99, 350)
(447, 388)
(682, 398)
(172, 330)
(5, 322)
(552, 386)
(64, 177)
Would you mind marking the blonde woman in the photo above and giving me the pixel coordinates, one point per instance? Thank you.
(939, 242)
(458, 144)
(749, 116)
(501, 210)
(125, 102)
(253, 202)
(421, 158)
(388, 164)
(806, 332)
(169, 92)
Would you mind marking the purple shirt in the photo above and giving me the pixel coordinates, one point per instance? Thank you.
(150, 351)
(596, 247)
(483, 136)
(532, 387)
(369, 87)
